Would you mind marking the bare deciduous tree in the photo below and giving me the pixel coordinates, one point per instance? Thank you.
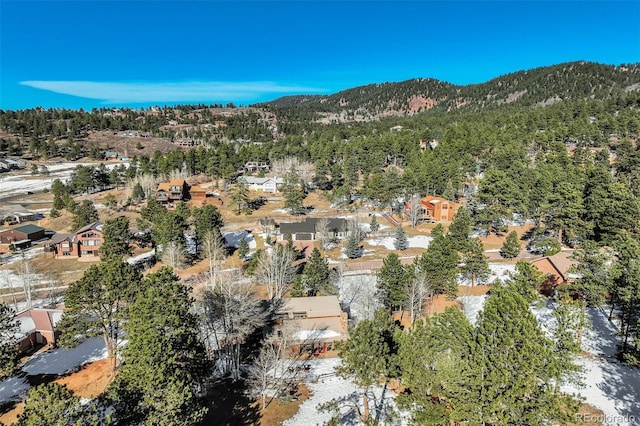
(173, 255)
(27, 276)
(275, 270)
(322, 233)
(148, 183)
(414, 210)
(232, 314)
(418, 291)
(214, 252)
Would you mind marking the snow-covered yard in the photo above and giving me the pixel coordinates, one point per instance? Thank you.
(328, 387)
(24, 182)
(357, 293)
(608, 384)
(55, 361)
(232, 239)
(418, 241)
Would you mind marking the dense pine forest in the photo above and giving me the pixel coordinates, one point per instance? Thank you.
(556, 145)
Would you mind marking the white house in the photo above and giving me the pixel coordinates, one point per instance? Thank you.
(265, 184)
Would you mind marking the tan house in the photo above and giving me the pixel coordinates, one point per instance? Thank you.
(85, 243)
(314, 324)
(438, 209)
(174, 190)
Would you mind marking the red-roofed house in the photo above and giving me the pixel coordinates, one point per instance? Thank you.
(556, 269)
(37, 327)
(437, 209)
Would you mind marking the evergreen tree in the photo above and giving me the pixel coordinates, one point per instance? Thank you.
(52, 404)
(298, 288)
(240, 196)
(392, 279)
(439, 263)
(243, 249)
(116, 239)
(434, 359)
(460, 229)
(84, 214)
(374, 225)
(526, 281)
(316, 275)
(9, 353)
(206, 219)
(95, 305)
(369, 356)
(401, 242)
(516, 372)
(352, 250)
(164, 359)
(137, 193)
(476, 266)
(511, 247)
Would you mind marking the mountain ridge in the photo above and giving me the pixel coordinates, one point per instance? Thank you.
(534, 87)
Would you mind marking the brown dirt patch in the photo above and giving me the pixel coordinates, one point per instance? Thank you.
(588, 415)
(279, 411)
(11, 416)
(91, 380)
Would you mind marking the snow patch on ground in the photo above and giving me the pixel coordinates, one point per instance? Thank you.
(232, 239)
(472, 305)
(608, 384)
(499, 271)
(358, 295)
(418, 241)
(328, 387)
(55, 361)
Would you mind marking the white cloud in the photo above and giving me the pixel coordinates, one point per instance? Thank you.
(142, 92)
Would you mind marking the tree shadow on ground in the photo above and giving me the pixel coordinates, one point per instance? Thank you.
(230, 405)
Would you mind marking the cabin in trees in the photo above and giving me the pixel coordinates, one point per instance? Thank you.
(310, 228)
(172, 191)
(20, 237)
(556, 268)
(312, 324)
(436, 209)
(37, 327)
(265, 184)
(85, 243)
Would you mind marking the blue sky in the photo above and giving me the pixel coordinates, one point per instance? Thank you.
(93, 53)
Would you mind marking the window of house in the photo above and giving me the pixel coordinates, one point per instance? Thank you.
(66, 253)
(297, 315)
(66, 244)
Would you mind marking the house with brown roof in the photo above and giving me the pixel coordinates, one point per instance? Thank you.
(556, 268)
(174, 190)
(84, 243)
(314, 324)
(436, 209)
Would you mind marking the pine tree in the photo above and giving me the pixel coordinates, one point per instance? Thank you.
(460, 229)
(52, 404)
(516, 371)
(511, 247)
(401, 242)
(8, 344)
(95, 305)
(369, 356)
(526, 280)
(374, 225)
(243, 249)
(440, 264)
(116, 239)
(240, 196)
(84, 214)
(316, 275)
(434, 358)
(164, 359)
(298, 288)
(475, 265)
(392, 279)
(352, 250)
